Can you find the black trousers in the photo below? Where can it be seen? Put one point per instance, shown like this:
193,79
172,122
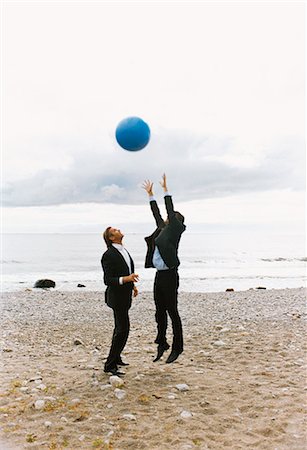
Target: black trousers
120,336
165,295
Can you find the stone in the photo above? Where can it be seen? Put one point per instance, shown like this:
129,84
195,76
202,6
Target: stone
105,386
39,404
119,393
116,381
24,389
44,283
219,343
129,417
39,378
186,414
139,377
172,396
48,424
78,342
182,387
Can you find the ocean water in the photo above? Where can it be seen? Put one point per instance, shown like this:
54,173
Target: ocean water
210,262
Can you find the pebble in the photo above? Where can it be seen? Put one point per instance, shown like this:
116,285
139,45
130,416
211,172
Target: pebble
186,414
63,419
36,378
182,387
116,381
39,404
129,417
105,386
81,438
24,389
139,376
41,386
219,343
78,342
120,394
48,424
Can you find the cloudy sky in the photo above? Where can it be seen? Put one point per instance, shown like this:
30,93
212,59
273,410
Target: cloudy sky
220,84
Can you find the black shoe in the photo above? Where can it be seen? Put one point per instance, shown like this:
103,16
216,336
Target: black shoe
114,371
173,356
122,363
161,350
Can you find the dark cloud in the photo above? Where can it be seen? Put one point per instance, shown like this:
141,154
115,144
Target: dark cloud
196,166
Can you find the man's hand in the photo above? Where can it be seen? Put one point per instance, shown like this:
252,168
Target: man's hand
133,278
163,182
147,185
135,291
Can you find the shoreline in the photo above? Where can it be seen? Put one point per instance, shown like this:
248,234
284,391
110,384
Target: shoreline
244,364
89,289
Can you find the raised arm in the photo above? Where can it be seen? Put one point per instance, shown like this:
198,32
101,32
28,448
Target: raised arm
168,199
147,185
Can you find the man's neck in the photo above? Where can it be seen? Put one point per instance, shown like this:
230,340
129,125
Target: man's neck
118,242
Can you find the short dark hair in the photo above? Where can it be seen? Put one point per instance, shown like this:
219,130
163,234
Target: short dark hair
106,237
179,216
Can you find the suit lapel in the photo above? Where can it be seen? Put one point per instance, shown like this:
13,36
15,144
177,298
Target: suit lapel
122,258
131,262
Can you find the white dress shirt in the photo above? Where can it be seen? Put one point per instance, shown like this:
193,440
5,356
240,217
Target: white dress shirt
126,257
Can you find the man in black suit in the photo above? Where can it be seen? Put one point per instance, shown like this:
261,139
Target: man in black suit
162,253
119,276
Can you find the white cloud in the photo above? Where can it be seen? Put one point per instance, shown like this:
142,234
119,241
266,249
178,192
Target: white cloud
282,210
221,85
197,167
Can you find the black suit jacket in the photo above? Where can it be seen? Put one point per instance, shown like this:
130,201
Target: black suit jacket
114,266
166,237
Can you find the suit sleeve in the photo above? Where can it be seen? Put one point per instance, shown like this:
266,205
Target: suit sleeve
169,207
108,276
156,213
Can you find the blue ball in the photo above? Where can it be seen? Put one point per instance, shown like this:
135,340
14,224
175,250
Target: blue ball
132,134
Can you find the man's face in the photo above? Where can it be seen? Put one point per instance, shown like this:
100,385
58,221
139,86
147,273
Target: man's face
115,235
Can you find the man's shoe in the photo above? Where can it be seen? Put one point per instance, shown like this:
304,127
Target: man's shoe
161,350
173,356
114,371
122,363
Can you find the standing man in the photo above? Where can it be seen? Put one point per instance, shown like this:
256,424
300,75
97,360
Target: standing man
162,253
119,276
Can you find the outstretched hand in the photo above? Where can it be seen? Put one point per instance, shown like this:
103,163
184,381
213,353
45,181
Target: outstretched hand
147,185
163,182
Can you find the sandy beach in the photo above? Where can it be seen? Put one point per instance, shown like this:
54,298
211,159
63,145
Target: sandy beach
240,383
